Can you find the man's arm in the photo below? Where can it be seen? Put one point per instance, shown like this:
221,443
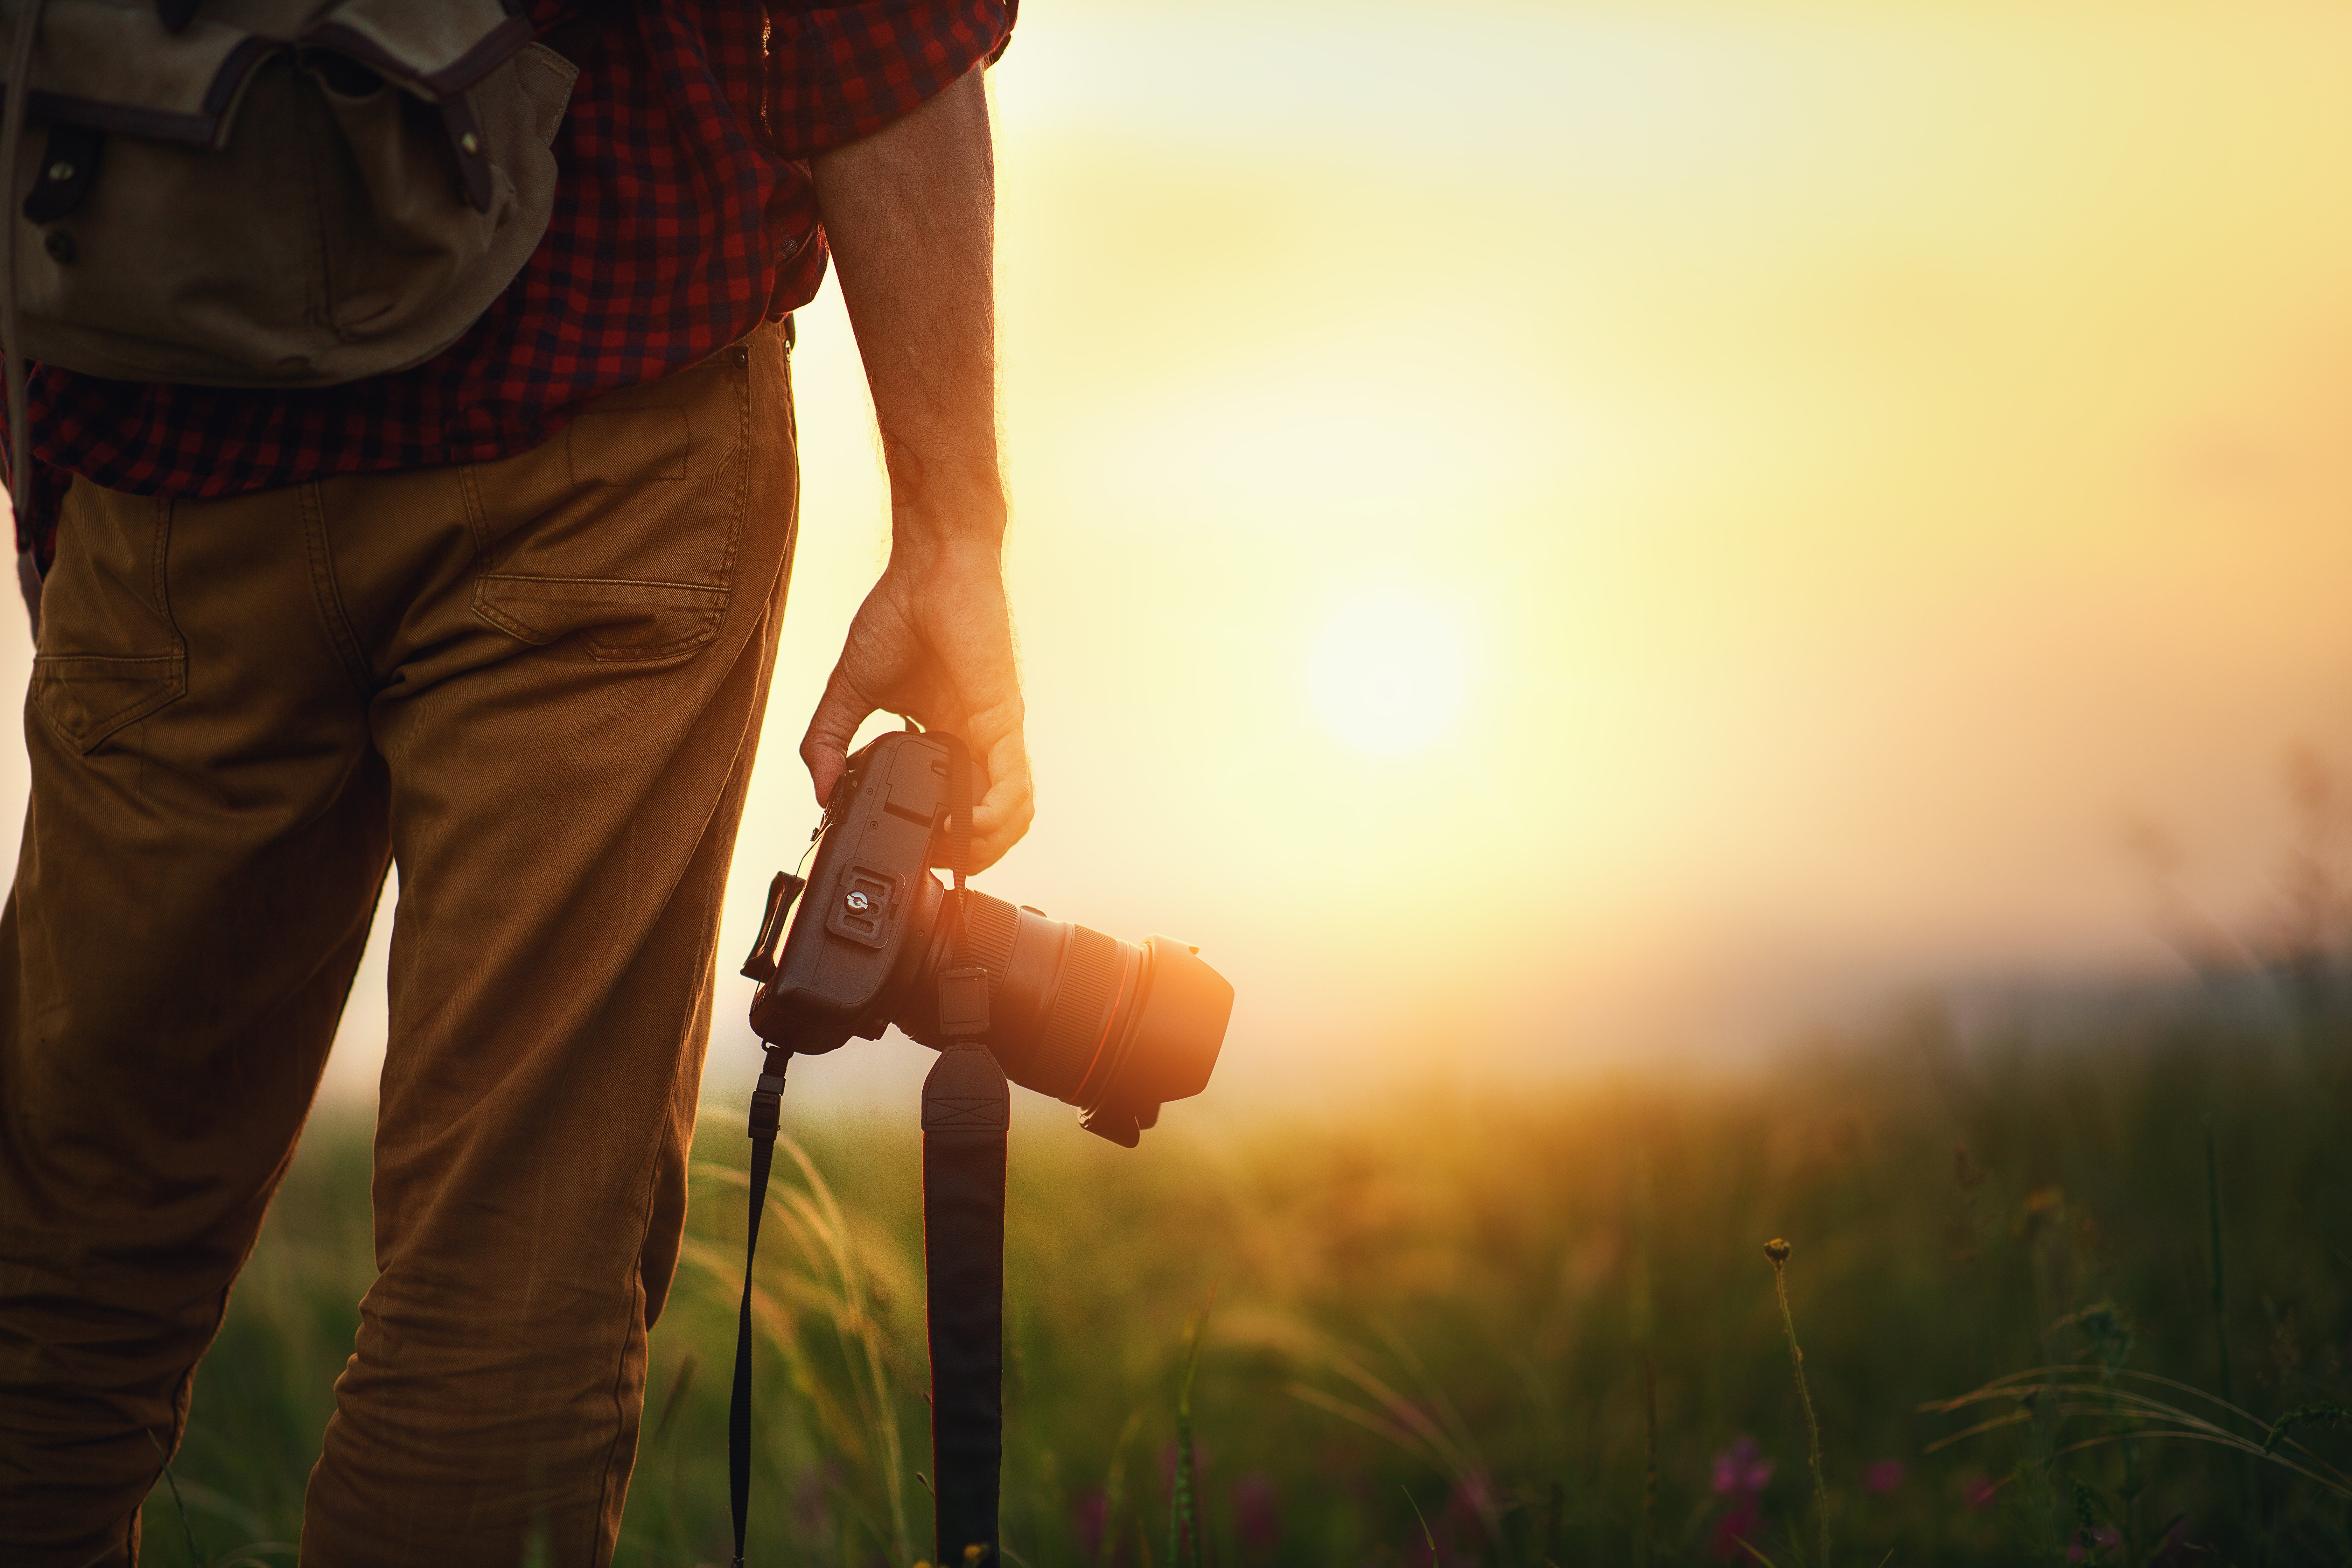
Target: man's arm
910,215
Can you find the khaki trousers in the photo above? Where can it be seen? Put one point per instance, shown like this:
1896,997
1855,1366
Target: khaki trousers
536,685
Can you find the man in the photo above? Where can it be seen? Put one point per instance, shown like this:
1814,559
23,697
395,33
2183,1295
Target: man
507,619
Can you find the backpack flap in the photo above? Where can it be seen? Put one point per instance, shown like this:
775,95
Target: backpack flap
112,68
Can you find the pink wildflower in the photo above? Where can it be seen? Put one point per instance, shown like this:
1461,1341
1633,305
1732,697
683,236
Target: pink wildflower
2102,1541
1884,1476
1741,1474
1741,1470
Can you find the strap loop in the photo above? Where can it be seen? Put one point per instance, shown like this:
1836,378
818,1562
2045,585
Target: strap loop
964,986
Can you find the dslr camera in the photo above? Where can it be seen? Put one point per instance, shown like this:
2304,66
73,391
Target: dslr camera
1113,1027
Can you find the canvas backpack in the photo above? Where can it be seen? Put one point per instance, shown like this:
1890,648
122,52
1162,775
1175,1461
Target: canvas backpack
269,193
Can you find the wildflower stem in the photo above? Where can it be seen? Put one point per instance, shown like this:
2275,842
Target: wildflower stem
1776,1251
2249,1481
1115,1490
2213,1223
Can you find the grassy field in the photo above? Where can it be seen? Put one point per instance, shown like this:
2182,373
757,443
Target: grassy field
1517,1331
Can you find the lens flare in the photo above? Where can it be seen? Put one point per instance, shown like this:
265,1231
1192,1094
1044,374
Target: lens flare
1386,674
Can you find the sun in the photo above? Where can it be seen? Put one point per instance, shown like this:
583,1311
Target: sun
1386,673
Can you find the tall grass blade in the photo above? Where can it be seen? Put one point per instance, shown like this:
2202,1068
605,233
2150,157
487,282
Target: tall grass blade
2303,1415
2103,1399
1444,1443
1640,1314
1427,1539
1369,1421
865,1428
178,1506
1115,1487
856,1322
1649,1454
256,1552
1471,1477
678,1385
1183,1515
2213,1225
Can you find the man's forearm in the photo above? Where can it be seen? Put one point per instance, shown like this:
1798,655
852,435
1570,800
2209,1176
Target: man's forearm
910,215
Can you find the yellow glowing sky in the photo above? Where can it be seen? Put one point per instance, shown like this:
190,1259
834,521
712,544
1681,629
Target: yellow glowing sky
1861,454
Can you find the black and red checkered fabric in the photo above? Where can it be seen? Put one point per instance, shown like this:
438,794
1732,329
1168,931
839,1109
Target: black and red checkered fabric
684,215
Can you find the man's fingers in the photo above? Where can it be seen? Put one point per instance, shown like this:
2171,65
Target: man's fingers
1003,816
996,830
826,747
938,648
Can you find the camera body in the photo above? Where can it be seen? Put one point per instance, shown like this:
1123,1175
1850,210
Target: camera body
1114,1028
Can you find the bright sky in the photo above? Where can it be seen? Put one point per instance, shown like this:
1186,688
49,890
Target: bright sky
1548,532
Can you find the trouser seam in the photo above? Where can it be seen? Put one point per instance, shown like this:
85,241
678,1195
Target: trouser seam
636,1304
159,562
743,401
329,594
182,1391
712,890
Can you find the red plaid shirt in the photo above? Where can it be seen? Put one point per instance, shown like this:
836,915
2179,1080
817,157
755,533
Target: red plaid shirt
685,214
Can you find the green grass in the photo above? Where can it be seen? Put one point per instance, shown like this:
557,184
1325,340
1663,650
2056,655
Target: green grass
1441,1327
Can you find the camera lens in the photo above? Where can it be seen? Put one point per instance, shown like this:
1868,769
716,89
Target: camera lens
1112,1027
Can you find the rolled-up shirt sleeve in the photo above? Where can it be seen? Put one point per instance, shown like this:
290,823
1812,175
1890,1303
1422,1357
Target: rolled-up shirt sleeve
837,73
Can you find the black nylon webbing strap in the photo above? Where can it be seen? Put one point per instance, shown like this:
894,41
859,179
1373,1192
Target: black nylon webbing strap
967,1115
767,1106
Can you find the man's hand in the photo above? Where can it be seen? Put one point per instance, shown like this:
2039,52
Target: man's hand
910,215
933,641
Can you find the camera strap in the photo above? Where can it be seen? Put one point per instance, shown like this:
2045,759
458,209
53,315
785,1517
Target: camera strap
767,1109
967,1117
967,1122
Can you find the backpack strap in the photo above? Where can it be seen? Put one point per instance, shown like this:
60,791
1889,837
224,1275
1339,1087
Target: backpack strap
12,358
